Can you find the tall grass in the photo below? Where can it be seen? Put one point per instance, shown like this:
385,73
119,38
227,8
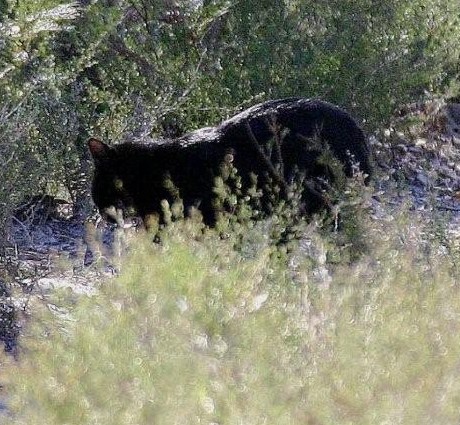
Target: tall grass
194,332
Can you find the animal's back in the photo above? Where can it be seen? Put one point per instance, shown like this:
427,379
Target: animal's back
270,139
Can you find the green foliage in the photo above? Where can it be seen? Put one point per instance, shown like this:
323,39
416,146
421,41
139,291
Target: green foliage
367,56
29,90
131,70
193,331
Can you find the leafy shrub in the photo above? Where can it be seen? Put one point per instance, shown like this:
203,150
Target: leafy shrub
151,69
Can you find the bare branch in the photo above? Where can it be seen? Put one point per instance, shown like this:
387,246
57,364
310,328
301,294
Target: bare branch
278,139
267,161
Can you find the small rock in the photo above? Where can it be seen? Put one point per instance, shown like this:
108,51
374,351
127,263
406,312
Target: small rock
422,179
258,301
420,142
401,147
417,150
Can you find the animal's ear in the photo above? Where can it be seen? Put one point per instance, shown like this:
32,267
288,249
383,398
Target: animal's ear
99,150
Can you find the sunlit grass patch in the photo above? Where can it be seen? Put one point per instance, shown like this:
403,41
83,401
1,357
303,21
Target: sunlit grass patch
194,331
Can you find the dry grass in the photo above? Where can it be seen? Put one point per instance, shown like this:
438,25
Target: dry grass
195,332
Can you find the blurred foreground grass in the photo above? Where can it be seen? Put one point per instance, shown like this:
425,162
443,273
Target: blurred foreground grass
193,332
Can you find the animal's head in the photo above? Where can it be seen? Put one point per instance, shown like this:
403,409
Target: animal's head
109,190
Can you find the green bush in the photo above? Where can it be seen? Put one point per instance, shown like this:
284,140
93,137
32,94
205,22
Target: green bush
36,144
151,68
195,332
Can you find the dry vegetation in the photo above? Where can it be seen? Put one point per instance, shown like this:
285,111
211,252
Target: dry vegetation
195,331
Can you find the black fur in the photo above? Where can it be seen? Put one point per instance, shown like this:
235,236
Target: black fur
131,177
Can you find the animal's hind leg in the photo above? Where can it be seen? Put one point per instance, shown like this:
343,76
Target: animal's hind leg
208,211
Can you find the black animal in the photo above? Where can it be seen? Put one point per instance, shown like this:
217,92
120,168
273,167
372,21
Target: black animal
274,140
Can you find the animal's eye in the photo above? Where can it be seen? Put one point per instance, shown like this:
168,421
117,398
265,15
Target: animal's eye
118,183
